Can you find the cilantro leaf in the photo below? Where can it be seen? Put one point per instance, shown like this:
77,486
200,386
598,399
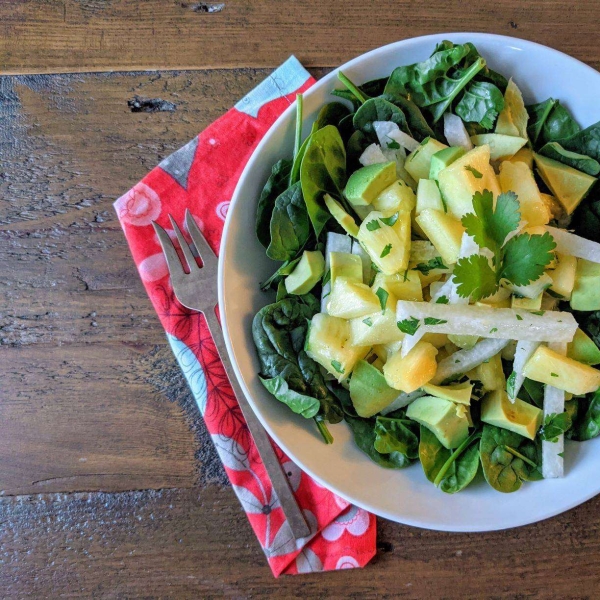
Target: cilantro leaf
337,366
526,256
390,220
434,321
383,297
373,225
368,322
474,172
475,277
442,300
393,144
489,227
386,251
511,382
409,326
433,263
554,426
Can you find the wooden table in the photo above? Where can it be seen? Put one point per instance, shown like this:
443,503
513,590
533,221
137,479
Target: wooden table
110,486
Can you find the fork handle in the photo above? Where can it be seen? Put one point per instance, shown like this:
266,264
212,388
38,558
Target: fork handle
279,480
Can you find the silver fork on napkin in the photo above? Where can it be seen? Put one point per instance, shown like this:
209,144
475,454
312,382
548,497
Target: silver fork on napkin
197,290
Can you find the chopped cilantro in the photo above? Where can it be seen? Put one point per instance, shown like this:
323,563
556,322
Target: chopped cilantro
434,263
386,251
474,171
510,384
393,144
368,322
553,374
409,326
337,366
383,297
373,225
554,426
433,321
390,220
539,313
327,277
493,330
519,318
442,300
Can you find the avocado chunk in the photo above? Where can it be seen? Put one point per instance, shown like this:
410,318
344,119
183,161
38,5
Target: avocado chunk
442,159
520,417
369,392
365,184
460,393
569,185
344,264
441,418
306,274
562,372
585,295
347,223
501,146
583,349
418,162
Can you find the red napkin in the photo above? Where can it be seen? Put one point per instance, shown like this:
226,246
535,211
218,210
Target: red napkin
201,177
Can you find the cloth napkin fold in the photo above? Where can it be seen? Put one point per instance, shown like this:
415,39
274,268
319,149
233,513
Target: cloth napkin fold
201,176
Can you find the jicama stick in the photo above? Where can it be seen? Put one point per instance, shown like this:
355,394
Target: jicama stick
465,360
554,403
402,400
388,131
455,132
574,245
487,322
523,353
372,155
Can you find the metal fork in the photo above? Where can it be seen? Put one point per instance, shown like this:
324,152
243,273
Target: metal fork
197,290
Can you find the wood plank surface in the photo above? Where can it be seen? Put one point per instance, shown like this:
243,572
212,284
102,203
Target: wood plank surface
84,35
92,405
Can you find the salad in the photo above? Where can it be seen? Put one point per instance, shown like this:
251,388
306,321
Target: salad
439,279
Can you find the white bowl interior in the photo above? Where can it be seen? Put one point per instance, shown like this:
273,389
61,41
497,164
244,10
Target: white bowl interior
405,495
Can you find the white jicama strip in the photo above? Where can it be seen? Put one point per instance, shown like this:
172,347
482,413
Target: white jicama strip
487,322
388,131
455,132
574,245
401,401
410,341
554,403
443,290
465,360
533,289
523,353
336,242
366,261
372,155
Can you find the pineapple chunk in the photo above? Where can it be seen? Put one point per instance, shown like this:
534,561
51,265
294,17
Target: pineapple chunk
490,373
556,370
387,245
418,162
377,328
413,371
523,155
350,299
396,197
444,231
563,276
403,286
328,343
527,303
428,196
518,178
469,174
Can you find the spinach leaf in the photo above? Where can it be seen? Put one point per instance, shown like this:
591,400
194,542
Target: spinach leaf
417,123
538,113
279,331
290,227
378,109
451,470
396,435
323,171
532,392
346,127
586,141
508,459
559,125
374,88
276,185
330,114
295,172
586,425
486,74
573,159
303,405
347,95
364,436
357,144
481,103
586,220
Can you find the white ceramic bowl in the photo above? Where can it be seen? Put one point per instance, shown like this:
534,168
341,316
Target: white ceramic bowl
403,495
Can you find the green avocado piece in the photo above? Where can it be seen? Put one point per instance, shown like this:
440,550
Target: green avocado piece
518,417
585,294
369,391
440,160
365,184
344,264
341,216
306,274
418,162
459,392
442,418
569,185
583,349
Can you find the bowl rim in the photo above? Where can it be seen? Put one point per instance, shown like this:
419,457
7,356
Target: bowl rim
516,43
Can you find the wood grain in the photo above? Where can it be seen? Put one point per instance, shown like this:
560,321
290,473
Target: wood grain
91,35
198,544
